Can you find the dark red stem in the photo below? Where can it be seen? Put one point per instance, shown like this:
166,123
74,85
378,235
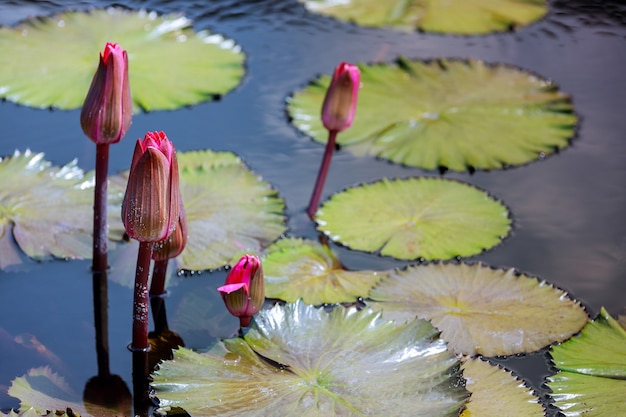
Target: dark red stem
101,322
157,291
141,299
100,262
321,175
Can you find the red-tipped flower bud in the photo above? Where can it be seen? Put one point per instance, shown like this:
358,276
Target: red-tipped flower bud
152,203
244,292
107,110
174,244
341,97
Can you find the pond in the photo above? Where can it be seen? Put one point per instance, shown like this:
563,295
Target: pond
568,209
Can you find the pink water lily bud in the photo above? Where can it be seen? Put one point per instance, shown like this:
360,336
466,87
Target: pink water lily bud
244,291
107,110
341,97
173,245
152,203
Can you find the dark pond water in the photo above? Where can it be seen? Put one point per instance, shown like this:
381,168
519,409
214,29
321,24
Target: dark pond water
569,209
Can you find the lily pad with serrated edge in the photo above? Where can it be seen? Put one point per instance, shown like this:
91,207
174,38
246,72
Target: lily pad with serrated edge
591,378
496,392
297,268
47,211
50,61
229,209
453,114
299,360
463,17
479,309
413,218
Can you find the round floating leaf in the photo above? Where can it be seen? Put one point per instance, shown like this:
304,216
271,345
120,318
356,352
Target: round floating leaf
592,370
49,61
414,218
465,17
449,114
299,360
298,268
229,209
480,309
495,392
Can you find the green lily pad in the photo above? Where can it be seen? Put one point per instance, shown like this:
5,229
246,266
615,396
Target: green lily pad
297,268
413,218
47,211
299,360
496,392
592,370
451,114
49,61
480,309
229,209
464,17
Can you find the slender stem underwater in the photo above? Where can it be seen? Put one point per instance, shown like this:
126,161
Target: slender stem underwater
100,261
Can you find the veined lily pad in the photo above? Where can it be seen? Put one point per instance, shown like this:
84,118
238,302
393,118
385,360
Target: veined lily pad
480,309
451,114
414,218
342,363
229,209
592,370
47,210
495,392
298,268
465,17
49,61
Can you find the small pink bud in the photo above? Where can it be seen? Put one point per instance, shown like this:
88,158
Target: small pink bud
244,291
341,97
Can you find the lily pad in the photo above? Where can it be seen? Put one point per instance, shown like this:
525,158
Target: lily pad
452,114
49,61
496,392
413,218
47,211
480,309
299,360
229,209
592,370
297,268
464,17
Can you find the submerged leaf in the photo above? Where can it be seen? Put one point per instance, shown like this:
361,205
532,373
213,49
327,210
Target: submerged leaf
414,218
467,17
196,67
298,268
480,309
445,113
299,360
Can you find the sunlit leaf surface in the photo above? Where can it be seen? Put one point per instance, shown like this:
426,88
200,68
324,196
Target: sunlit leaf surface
466,17
297,268
47,211
49,61
495,392
480,309
445,113
342,363
592,370
228,207
414,218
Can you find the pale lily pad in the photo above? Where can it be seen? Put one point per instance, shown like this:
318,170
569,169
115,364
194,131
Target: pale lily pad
496,392
47,211
592,370
229,209
452,114
299,360
297,268
49,61
464,17
480,309
415,218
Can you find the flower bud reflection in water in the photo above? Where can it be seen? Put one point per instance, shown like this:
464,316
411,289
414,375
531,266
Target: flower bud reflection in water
244,291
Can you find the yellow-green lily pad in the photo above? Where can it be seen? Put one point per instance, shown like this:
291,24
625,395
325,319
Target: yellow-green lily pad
447,114
465,17
413,218
50,61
